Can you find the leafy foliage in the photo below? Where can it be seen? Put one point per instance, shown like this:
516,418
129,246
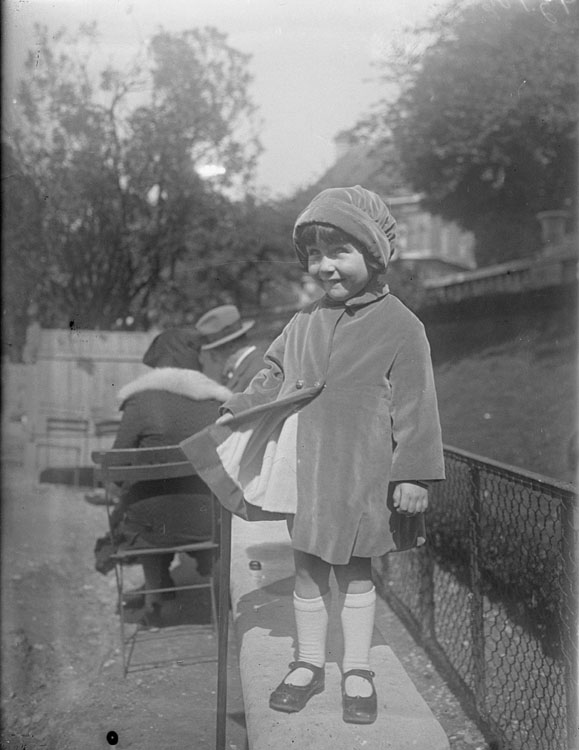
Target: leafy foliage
105,171
23,267
485,124
246,259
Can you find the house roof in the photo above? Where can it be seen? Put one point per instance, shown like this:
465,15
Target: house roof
358,165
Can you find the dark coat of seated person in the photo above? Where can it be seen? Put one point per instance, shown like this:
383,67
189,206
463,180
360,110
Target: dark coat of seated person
160,408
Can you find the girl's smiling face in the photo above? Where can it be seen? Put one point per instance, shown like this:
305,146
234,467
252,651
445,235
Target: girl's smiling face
339,268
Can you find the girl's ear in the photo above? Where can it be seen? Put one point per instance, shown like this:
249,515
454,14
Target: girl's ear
372,264
377,274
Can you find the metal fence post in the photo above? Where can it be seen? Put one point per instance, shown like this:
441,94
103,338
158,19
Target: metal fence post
426,610
476,618
223,627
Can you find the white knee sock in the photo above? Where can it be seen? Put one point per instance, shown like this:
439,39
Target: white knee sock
357,617
312,626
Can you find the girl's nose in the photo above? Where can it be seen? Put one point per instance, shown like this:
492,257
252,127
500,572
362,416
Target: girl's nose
326,265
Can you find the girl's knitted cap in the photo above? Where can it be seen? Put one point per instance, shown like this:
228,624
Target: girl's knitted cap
357,211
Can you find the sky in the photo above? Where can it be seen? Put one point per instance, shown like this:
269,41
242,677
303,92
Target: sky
313,61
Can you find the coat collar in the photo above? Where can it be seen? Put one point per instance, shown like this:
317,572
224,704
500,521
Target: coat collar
189,383
369,295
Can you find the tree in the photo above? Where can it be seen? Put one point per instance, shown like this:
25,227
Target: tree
115,160
485,123
246,259
23,268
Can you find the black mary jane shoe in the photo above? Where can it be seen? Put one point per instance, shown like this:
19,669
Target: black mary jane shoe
356,708
292,698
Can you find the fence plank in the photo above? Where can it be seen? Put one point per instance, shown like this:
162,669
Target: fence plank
78,374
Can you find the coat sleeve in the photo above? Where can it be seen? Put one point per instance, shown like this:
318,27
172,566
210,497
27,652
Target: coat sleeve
417,452
265,385
129,432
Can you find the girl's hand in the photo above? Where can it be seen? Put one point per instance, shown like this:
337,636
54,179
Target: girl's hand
410,498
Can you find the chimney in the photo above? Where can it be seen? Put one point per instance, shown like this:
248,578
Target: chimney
553,226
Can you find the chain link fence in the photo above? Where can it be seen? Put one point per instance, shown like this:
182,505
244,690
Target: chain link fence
493,598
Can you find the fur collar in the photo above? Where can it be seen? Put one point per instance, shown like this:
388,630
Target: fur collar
189,383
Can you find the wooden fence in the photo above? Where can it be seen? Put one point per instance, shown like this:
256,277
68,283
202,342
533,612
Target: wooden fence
77,374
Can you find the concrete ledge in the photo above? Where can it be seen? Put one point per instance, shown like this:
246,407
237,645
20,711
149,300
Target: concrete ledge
265,630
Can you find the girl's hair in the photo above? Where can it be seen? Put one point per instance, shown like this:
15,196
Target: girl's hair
312,234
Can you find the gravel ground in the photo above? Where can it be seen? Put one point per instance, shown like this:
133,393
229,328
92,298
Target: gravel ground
62,685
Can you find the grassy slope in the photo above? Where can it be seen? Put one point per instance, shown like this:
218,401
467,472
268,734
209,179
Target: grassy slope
516,403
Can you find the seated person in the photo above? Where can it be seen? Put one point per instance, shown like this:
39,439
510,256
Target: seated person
226,351
163,407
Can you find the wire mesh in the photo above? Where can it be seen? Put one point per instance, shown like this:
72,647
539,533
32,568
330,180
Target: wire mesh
499,575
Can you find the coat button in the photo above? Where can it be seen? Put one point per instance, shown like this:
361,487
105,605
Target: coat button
299,384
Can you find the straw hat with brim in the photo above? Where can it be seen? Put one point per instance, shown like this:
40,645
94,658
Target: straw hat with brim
220,325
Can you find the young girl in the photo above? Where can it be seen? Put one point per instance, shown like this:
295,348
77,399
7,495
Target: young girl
340,434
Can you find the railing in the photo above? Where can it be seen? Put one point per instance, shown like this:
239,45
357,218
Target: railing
505,278
493,598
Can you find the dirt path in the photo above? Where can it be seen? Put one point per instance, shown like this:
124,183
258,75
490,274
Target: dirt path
61,680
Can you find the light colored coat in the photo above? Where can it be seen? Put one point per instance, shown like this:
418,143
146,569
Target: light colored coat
358,378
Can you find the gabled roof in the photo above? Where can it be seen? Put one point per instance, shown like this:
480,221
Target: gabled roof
358,165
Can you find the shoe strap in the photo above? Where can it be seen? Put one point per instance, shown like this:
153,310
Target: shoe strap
367,674
304,665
